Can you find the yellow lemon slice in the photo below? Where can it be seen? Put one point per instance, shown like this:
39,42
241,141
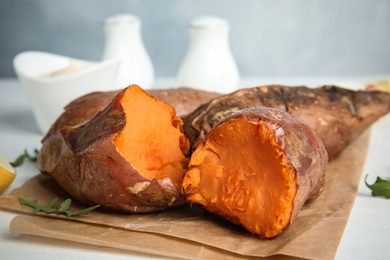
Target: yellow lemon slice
7,174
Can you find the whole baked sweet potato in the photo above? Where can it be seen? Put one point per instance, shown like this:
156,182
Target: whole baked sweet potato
336,114
185,101
130,157
257,168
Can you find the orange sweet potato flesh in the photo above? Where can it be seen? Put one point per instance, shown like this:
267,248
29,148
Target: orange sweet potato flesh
130,157
256,169
157,151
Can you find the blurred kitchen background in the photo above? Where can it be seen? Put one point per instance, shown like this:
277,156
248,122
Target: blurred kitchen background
273,38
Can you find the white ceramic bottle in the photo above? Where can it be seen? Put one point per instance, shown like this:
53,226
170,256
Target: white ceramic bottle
123,41
209,63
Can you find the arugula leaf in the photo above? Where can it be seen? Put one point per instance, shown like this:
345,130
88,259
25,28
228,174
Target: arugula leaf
62,209
21,158
65,205
81,212
381,187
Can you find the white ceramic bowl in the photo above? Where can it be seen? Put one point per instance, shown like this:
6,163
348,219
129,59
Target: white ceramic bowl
52,81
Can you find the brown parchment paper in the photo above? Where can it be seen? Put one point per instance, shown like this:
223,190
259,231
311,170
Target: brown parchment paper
189,233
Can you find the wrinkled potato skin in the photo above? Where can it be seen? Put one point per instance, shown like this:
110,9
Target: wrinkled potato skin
91,170
336,114
184,100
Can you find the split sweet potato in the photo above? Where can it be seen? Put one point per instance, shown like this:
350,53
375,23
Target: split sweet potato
130,157
336,114
185,101
257,168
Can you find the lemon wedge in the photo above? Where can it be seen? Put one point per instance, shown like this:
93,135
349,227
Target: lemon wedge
7,174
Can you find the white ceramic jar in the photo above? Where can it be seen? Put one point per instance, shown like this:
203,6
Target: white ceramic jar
123,41
209,63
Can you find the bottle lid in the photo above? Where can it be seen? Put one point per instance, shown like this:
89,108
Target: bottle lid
209,22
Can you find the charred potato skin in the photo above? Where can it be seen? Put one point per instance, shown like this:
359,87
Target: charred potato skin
91,170
336,114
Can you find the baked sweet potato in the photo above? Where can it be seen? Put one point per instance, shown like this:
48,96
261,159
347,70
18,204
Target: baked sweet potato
257,168
336,114
185,100
130,157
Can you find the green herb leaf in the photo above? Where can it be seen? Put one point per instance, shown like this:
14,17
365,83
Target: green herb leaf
62,209
81,212
21,158
19,161
381,187
65,205
37,207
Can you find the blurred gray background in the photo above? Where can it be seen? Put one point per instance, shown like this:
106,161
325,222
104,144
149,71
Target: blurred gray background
268,37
